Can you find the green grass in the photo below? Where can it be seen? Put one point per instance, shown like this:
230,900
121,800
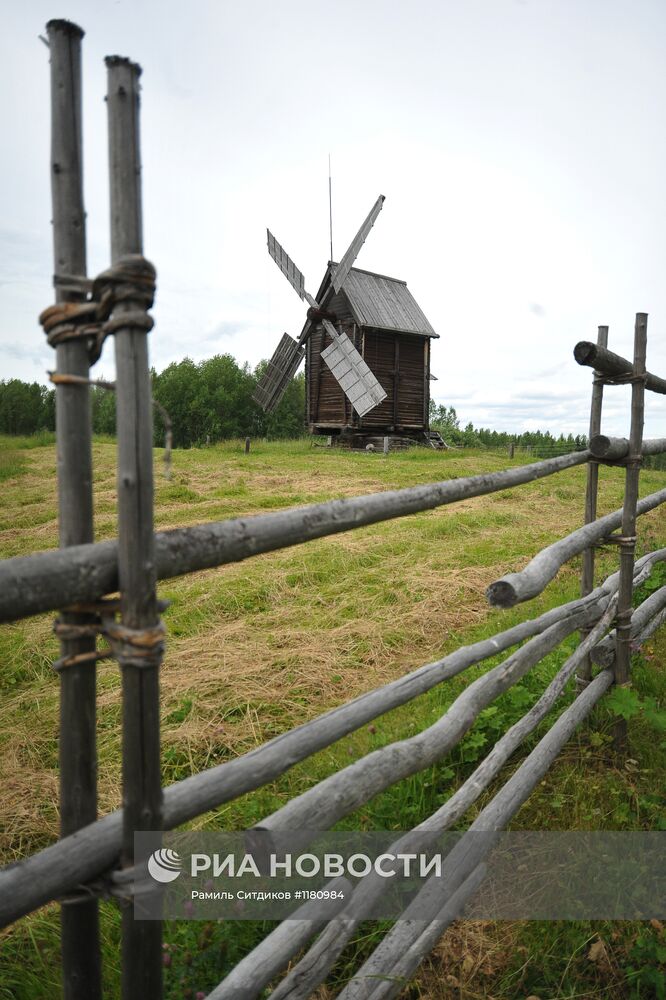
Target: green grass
13,460
258,647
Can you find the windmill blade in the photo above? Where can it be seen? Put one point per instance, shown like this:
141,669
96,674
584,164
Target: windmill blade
280,370
286,265
347,262
351,372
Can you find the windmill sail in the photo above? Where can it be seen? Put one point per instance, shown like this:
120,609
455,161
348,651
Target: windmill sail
347,262
351,372
286,265
280,370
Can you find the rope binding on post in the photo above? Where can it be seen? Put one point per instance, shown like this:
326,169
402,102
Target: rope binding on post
629,379
130,647
130,280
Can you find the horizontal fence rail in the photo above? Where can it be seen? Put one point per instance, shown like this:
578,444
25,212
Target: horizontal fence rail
613,365
514,588
50,580
615,449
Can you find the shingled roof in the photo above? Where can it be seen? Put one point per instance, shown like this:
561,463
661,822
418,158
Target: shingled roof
384,303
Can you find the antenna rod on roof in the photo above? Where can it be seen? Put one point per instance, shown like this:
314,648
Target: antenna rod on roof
330,204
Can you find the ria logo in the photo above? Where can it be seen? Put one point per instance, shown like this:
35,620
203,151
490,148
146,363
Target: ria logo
164,865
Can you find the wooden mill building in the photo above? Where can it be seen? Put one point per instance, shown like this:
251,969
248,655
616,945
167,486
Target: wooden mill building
390,331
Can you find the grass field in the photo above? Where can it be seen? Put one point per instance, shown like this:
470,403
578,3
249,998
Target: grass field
258,647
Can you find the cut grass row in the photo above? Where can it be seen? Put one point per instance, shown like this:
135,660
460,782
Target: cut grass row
258,647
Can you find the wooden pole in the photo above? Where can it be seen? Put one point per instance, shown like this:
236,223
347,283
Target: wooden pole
591,493
628,539
81,964
142,791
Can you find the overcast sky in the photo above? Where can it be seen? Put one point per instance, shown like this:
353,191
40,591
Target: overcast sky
520,145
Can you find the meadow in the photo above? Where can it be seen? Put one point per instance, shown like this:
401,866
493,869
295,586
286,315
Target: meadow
261,646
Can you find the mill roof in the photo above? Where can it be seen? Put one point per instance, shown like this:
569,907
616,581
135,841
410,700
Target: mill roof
382,302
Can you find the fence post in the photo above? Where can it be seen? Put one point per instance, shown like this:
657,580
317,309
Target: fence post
81,965
628,537
591,492
142,792
247,446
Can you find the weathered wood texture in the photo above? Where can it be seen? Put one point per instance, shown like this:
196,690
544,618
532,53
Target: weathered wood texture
379,302
281,368
58,869
398,361
517,587
613,365
80,949
142,787
627,542
615,449
592,489
521,783
47,580
358,384
341,271
644,615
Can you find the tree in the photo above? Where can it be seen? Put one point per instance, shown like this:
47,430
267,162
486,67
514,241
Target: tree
212,401
26,407
103,403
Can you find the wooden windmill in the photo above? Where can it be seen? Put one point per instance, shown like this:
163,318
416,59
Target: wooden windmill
374,342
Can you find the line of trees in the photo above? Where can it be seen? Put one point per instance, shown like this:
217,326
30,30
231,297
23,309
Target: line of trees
212,400
542,444
206,402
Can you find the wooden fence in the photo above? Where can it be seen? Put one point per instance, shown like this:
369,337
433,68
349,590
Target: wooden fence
94,856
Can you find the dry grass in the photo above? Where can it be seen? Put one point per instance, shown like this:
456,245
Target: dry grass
258,647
